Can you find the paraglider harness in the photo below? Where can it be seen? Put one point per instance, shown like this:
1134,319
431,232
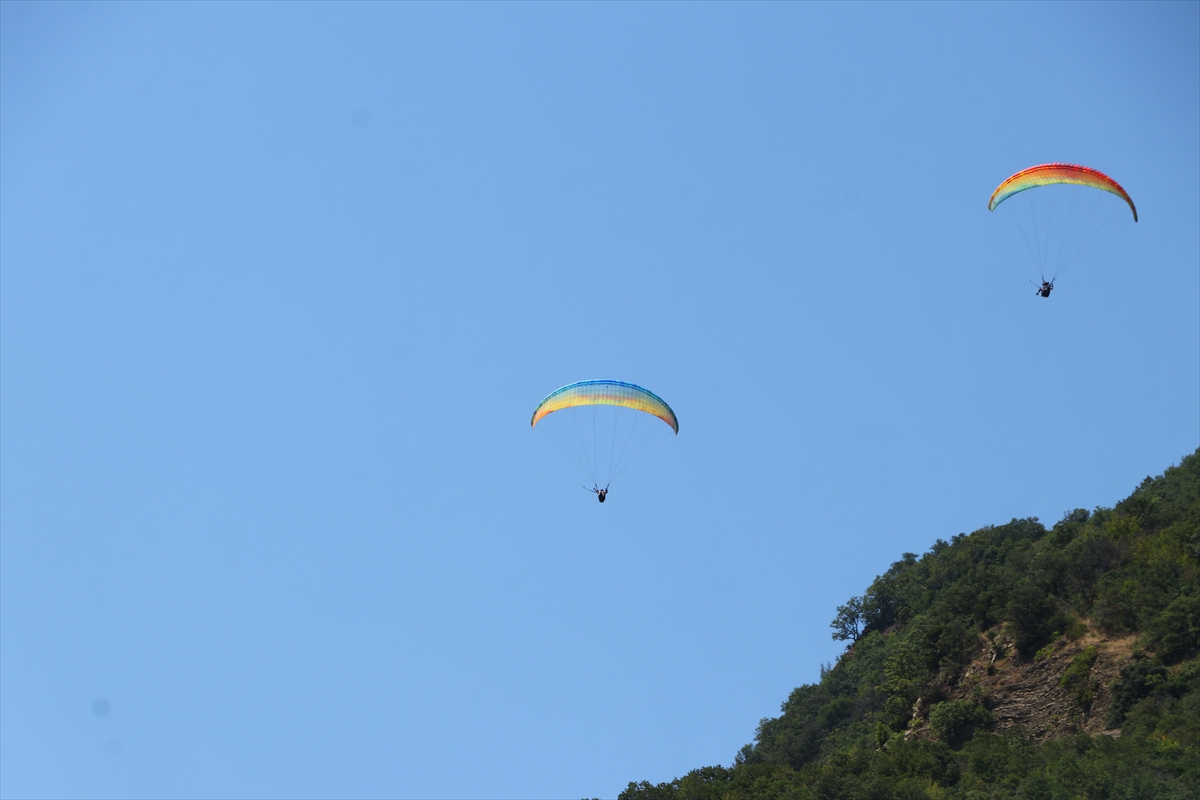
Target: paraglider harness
1046,287
600,493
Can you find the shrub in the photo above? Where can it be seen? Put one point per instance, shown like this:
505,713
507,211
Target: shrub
1137,681
1030,614
1175,633
955,721
1076,678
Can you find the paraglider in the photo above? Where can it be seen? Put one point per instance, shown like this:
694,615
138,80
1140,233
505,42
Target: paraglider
1060,227
622,396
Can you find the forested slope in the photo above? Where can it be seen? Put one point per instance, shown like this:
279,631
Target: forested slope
1012,662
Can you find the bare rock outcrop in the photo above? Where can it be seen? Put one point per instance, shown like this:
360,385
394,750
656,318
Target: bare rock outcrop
1030,693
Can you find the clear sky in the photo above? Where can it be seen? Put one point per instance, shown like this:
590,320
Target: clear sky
281,284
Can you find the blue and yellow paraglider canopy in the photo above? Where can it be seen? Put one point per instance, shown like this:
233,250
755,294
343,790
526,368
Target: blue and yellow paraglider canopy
606,393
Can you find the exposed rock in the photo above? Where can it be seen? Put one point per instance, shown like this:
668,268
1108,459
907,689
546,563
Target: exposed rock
1029,694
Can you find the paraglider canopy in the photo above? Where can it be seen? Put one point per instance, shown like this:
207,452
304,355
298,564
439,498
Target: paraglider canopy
606,393
1051,174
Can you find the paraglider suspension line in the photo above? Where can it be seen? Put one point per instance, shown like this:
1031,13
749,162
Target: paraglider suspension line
1090,234
575,452
636,450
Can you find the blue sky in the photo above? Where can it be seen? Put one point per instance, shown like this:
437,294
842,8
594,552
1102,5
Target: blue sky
280,285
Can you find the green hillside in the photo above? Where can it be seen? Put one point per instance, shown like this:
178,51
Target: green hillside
1017,661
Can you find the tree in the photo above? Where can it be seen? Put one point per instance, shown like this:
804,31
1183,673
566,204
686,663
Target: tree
849,620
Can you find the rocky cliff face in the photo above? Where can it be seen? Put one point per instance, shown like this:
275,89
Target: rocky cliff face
1033,694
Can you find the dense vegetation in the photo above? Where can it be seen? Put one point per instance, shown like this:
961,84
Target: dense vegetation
897,718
